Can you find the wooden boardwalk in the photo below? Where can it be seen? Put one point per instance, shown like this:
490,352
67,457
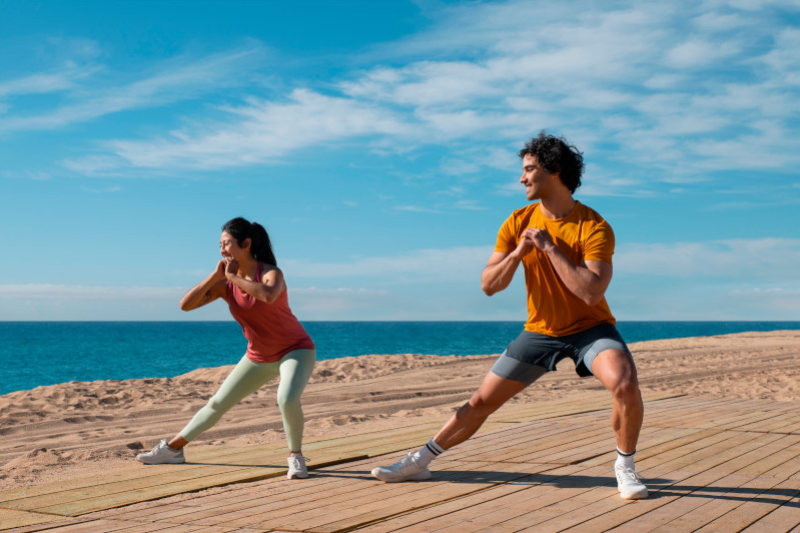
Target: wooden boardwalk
712,465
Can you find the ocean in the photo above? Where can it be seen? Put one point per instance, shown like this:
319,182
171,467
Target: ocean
46,353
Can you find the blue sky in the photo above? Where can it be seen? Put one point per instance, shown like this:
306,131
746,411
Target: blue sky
377,143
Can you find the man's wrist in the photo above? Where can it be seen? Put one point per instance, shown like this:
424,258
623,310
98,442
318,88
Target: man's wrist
550,248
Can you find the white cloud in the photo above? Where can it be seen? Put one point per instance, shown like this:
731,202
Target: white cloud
93,164
714,21
697,53
643,76
313,302
416,209
782,301
447,264
54,292
102,190
177,80
766,259
44,83
259,132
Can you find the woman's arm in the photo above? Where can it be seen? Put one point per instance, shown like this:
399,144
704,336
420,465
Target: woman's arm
265,290
206,291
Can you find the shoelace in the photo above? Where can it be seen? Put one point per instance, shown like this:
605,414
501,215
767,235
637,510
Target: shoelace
160,445
406,462
627,474
298,461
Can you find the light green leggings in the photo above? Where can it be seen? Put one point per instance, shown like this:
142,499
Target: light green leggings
295,369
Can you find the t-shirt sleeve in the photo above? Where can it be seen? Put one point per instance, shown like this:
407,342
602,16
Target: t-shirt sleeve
599,244
506,237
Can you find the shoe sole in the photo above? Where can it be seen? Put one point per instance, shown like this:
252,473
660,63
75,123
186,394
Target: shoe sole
167,462
635,495
422,476
296,476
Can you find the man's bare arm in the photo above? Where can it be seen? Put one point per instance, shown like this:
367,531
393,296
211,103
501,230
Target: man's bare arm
500,269
588,281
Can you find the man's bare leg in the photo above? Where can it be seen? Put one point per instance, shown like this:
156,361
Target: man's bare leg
493,392
616,370
490,396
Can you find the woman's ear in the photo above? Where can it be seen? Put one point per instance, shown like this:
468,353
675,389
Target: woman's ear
246,243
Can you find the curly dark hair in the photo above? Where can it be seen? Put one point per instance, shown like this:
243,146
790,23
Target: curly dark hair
555,154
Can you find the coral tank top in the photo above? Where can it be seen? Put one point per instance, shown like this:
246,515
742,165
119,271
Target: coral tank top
271,330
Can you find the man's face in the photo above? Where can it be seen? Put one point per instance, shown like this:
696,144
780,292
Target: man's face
536,179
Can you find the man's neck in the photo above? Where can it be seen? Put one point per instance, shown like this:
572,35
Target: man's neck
557,205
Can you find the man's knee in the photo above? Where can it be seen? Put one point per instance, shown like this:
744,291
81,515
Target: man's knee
627,389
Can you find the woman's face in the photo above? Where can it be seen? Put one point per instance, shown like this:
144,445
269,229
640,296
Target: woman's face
228,247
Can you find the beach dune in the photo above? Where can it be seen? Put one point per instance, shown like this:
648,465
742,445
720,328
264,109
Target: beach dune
73,429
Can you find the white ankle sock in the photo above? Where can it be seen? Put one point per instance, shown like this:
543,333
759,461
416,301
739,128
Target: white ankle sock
624,460
428,453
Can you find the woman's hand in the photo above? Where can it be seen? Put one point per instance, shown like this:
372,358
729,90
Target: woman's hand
219,273
232,267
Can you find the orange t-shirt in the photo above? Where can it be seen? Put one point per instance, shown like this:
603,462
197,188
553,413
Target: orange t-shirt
583,235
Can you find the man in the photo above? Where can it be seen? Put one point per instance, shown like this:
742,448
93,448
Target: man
565,249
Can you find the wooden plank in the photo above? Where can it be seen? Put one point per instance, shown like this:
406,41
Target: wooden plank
691,411
702,507
678,448
273,502
717,415
133,481
573,512
126,491
506,511
96,501
411,521
611,513
351,516
371,490
741,470
219,456
791,467
781,520
603,491
240,499
548,508
750,512
531,445
10,518
94,526
500,442
778,462
775,424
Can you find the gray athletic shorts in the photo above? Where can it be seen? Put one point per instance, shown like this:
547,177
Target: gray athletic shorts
531,355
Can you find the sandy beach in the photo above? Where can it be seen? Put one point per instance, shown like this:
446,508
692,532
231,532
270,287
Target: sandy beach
73,429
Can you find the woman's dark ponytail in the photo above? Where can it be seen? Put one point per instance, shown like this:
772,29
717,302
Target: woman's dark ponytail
260,246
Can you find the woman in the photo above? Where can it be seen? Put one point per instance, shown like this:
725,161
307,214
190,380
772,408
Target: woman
249,280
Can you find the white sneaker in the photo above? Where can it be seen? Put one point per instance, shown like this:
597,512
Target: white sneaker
297,467
629,484
406,469
162,455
